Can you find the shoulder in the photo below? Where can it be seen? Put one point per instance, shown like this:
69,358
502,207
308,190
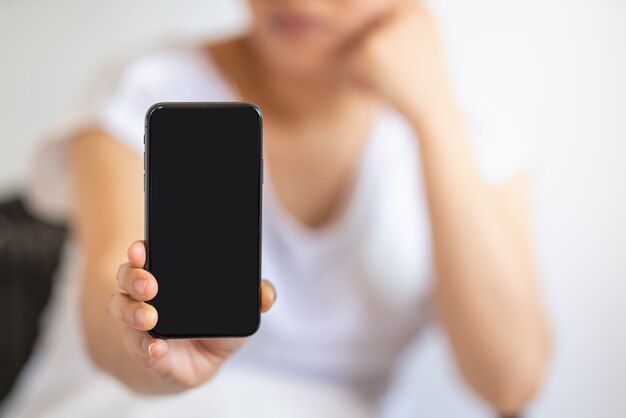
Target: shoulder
167,75
182,73
116,101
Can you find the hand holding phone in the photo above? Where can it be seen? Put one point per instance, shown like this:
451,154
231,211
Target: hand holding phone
179,363
197,274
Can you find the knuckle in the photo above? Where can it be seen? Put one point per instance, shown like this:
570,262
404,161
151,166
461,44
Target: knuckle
114,300
130,280
110,304
143,342
122,308
115,305
129,314
129,338
120,273
134,343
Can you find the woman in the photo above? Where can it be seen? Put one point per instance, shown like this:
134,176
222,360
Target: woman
374,206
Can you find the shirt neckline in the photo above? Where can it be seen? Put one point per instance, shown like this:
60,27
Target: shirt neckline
342,223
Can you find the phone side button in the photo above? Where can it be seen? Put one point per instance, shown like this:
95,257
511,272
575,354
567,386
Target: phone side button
144,182
262,170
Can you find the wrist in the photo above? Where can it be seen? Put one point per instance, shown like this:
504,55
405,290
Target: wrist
430,111
144,381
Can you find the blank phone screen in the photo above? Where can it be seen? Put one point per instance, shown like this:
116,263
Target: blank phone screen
203,217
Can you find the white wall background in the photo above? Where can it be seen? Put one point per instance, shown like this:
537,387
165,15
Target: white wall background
561,64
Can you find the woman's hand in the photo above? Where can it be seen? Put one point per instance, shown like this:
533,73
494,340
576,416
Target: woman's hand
399,57
180,364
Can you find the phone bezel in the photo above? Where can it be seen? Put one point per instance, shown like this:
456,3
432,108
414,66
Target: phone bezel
178,105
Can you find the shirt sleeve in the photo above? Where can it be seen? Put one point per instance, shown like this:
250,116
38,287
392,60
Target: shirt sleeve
116,100
121,110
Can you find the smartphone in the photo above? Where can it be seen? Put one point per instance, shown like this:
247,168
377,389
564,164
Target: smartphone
203,168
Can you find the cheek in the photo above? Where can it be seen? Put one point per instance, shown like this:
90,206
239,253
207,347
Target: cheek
259,9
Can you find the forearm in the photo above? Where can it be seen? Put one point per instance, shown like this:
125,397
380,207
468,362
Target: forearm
104,220
484,288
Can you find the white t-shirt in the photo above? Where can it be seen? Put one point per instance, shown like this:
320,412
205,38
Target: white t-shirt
352,294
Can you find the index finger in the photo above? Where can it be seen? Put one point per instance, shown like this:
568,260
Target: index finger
137,254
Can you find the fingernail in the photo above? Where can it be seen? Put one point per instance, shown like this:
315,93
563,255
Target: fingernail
271,286
144,316
150,349
140,286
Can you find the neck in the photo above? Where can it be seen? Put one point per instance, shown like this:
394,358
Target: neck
290,98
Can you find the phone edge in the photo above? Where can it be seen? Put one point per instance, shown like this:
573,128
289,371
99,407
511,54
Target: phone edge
146,267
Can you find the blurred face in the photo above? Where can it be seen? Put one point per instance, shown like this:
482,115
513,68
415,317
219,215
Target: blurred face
300,38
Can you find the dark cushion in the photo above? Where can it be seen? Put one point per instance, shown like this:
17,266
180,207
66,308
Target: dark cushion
29,254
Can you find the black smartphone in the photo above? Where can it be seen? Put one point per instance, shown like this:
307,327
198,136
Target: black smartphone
203,189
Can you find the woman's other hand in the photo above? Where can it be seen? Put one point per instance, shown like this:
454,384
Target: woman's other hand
399,57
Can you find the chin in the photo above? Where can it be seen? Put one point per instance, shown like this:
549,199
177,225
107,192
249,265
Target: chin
300,61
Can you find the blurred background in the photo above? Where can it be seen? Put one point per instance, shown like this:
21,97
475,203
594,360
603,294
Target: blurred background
559,64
